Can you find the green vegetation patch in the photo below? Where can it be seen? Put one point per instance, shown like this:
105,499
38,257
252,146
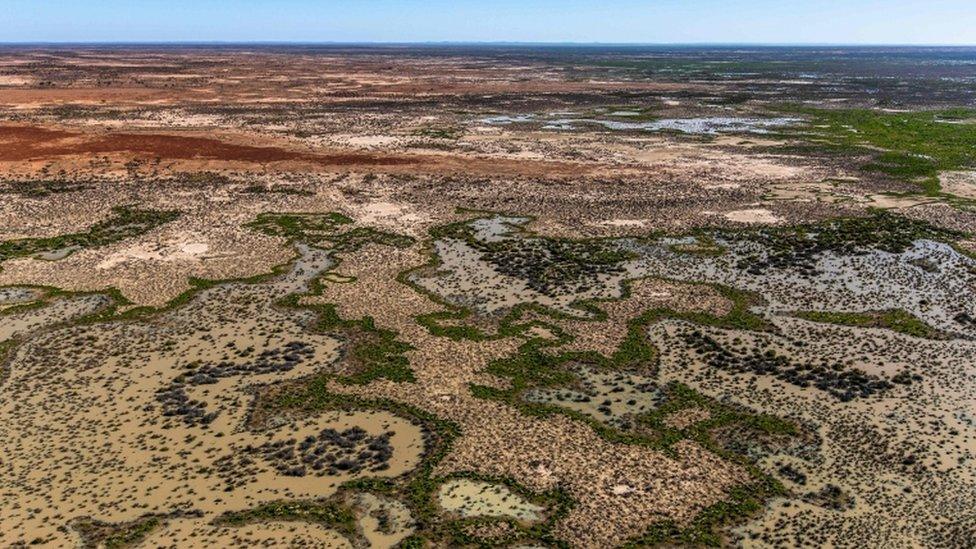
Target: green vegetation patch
328,231
680,67
315,229
126,223
549,265
742,501
328,513
798,246
917,145
574,260
706,528
369,352
534,366
739,317
95,533
893,319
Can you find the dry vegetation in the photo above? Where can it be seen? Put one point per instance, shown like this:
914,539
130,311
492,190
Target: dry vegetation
464,297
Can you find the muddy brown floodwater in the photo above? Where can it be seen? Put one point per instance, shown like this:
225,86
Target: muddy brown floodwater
121,419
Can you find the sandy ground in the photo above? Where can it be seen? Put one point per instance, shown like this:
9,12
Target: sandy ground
104,420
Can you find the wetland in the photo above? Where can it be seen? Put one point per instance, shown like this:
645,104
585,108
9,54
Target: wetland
487,296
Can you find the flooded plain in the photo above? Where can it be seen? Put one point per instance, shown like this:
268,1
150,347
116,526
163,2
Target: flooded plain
471,498
886,406
151,414
58,311
618,121
261,296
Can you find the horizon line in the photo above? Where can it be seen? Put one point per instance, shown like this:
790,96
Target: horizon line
465,43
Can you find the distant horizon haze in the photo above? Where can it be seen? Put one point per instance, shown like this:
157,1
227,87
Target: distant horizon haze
649,45
500,22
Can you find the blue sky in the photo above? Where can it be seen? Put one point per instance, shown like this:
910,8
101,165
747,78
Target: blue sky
649,21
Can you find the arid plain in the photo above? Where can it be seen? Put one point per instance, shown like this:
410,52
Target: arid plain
487,296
